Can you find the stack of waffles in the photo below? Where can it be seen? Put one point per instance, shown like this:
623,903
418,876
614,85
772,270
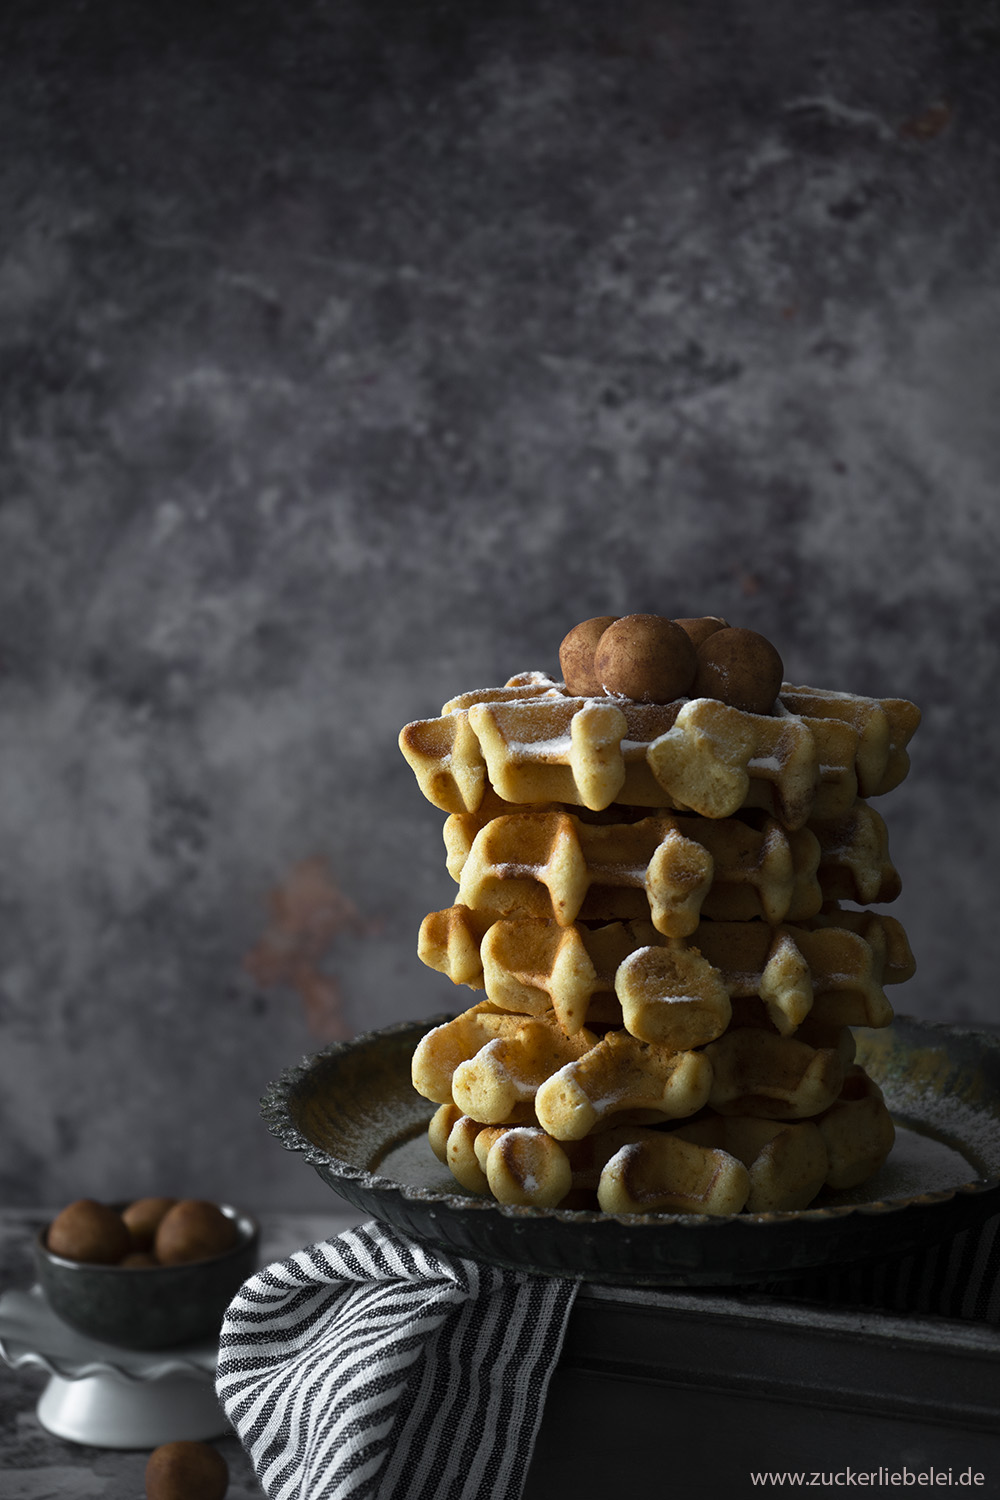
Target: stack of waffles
667,907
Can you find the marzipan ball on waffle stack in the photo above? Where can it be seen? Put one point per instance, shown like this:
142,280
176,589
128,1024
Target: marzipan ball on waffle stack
665,866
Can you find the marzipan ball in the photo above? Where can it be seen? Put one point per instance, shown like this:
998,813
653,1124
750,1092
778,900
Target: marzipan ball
193,1230
137,1259
645,657
186,1471
142,1219
89,1231
699,630
576,657
741,668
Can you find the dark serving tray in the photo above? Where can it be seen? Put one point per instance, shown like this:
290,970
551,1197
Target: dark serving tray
353,1113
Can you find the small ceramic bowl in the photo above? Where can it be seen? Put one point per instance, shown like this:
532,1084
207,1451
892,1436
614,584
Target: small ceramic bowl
148,1307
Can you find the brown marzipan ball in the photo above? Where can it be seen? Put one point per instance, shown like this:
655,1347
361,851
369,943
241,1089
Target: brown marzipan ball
89,1231
136,1259
193,1230
142,1219
741,668
645,657
576,656
699,630
186,1471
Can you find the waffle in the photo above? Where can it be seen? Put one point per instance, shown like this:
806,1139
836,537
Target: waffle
444,752
854,862
664,1173
443,1121
622,1077
857,1131
797,764
735,1162
884,728
671,870
533,1171
489,1062
756,1072
524,1165
451,942
534,744
673,997
834,967
786,1160
512,1163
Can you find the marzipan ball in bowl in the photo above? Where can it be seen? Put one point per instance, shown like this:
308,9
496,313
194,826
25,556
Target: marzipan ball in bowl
127,1301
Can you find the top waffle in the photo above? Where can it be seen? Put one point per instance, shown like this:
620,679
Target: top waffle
533,742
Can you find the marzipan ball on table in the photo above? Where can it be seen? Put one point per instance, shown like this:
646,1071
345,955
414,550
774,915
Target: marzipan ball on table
89,1231
646,657
186,1471
700,629
576,656
741,668
142,1219
193,1230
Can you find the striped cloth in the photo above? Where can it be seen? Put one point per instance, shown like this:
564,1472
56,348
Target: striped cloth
959,1278
372,1367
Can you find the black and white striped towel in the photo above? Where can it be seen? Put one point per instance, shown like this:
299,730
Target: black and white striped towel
958,1279
373,1368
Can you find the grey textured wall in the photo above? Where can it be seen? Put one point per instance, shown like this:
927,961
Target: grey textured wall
352,353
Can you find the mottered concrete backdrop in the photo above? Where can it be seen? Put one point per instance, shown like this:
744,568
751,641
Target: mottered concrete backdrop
352,353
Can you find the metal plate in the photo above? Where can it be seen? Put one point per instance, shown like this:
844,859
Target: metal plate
354,1114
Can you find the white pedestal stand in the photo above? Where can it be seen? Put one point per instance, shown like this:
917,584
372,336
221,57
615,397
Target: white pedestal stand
107,1397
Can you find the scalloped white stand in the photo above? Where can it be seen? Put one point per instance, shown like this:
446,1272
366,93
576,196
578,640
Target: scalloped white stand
105,1411
108,1397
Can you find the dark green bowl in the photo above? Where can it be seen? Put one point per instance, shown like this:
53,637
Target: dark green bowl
148,1307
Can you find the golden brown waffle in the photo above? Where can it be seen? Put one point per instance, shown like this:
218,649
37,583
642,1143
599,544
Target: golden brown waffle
444,752
489,1062
533,1169
535,744
833,967
796,765
621,1076
513,1163
755,1072
672,996
524,1165
450,941
884,728
854,862
716,1164
669,869
789,1161
831,974
857,1131
663,1173
786,1160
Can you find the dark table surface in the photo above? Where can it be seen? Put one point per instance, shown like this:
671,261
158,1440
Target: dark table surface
693,1355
